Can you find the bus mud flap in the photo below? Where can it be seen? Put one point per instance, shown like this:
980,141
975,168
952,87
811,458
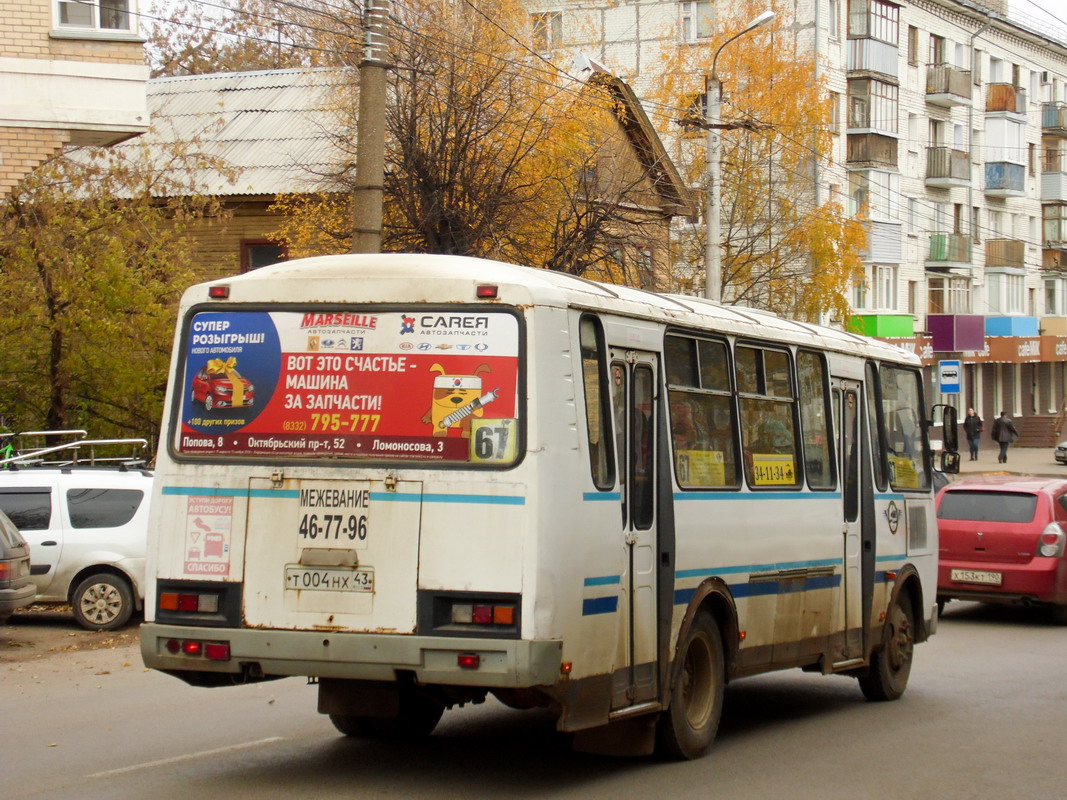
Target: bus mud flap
635,736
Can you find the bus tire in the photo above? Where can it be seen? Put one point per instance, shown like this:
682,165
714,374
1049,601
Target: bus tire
688,726
418,717
887,677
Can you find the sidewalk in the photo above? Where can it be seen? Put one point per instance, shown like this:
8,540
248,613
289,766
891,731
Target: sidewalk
1021,461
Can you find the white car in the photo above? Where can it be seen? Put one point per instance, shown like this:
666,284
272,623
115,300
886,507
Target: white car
87,529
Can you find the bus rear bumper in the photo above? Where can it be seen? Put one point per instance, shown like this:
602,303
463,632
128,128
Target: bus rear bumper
264,654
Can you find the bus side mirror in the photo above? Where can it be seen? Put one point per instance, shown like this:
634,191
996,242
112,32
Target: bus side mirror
950,463
950,440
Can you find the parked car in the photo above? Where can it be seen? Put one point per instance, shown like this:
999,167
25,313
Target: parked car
1061,452
87,529
16,588
1003,539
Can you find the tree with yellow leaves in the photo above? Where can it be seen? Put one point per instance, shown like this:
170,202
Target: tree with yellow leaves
781,250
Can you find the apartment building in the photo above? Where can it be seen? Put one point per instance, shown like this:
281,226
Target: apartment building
71,72
950,130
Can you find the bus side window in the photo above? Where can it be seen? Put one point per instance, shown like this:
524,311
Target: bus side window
768,427
702,413
814,417
597,408
902,410
874,424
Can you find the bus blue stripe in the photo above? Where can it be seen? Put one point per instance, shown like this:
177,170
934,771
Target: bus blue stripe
600,605
381,497
765,588
705,572
214,491
604,580
615,497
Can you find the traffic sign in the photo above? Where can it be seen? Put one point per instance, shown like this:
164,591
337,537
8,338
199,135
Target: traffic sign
948,373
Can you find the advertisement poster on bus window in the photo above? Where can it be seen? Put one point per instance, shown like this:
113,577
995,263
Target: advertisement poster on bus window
432,385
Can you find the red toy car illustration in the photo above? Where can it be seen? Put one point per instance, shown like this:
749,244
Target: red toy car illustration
218,384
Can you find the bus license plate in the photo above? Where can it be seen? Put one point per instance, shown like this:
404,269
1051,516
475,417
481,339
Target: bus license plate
976,576
329,579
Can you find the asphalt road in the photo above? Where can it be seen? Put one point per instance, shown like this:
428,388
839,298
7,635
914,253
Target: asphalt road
984,717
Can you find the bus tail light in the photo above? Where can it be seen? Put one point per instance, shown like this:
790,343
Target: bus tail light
1052,540
201,603
496,615
468,660
194,648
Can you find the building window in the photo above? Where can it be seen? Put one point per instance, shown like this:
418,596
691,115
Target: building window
547,30
1006,293
877,290
256,253
696,20
877,191
976,67
913,45
937,50
872,104
835,25
835,113
103,15
948,295
874,19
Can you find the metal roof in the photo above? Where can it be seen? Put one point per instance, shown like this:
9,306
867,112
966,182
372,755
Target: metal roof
273,126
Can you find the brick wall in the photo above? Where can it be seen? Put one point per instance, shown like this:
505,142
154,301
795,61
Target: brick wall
22,149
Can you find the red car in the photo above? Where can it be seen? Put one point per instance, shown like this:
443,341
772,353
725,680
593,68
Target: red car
215,389
1002,541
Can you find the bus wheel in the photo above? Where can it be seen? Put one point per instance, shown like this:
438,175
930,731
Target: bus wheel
687,728
418,717
887,677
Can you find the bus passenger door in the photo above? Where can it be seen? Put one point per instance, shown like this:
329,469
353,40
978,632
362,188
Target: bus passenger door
634,399
847,396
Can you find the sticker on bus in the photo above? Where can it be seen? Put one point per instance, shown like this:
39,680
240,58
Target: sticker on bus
772,469
439,386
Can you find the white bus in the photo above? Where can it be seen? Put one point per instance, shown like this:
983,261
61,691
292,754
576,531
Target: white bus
419,480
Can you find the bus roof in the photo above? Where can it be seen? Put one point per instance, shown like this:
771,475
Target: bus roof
443,279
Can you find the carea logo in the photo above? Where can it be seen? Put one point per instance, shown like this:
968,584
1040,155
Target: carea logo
407,324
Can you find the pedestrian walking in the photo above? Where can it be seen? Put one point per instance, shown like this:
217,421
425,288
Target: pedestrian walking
1004,433
973,427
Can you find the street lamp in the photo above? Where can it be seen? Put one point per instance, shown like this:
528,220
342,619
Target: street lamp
712,251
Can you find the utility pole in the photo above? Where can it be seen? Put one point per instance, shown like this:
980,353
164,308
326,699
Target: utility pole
713,249
370,129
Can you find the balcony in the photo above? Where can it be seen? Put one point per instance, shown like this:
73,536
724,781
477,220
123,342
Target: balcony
885,242
1004,179
1054,119
872,149
947,86
872,55
949,249
1054,233
946,167
1005,97
1005,253
1055,259
1054,177
954,333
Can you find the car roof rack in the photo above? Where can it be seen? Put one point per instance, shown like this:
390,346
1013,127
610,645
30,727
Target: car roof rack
29,449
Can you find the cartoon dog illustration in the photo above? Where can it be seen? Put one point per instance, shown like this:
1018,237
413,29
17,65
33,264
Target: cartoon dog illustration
456,398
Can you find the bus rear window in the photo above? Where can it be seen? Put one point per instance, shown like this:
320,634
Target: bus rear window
329,383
